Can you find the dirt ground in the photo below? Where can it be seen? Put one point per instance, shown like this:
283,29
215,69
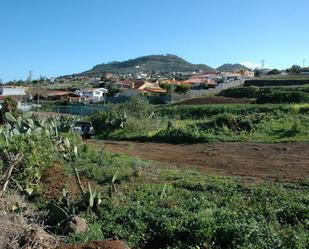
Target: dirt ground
253,161
105,244
55,180
213,100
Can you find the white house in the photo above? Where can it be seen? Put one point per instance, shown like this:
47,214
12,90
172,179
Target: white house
16,91
93,94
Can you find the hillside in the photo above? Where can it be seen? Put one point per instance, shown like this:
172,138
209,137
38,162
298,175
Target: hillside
151,63
231,67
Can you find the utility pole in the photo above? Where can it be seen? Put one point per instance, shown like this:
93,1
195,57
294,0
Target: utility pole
29,79
263,63
304,63
38,94
170,73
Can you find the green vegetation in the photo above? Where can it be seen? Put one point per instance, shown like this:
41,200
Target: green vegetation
151,63
9,105
178,124
277,82
184,209
144,203
147,204
181,89
232,67
274,72
270,94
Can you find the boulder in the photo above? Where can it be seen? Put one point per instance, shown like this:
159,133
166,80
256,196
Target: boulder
76,224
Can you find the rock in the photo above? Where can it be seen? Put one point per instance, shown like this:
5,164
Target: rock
76,224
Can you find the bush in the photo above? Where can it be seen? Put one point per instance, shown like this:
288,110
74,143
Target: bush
283,97
182,89
279,82
138,107
204,111
241,92
108,121
9,105
37,151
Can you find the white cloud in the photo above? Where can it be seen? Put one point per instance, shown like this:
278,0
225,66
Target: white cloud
251,65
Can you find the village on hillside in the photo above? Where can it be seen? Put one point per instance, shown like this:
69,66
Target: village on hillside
114,87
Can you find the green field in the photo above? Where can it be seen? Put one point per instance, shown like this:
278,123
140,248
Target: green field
207,123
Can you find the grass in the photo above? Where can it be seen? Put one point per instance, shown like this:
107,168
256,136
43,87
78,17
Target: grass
149,205
166,208
270,94
207,123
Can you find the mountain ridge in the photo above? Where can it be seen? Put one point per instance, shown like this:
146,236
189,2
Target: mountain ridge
228,67
150,63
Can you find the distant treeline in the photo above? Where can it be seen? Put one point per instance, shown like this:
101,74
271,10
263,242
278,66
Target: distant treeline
277,82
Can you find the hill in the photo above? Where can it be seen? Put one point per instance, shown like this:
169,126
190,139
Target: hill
151,63
231,67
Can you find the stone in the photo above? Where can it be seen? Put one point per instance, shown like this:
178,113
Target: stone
76,224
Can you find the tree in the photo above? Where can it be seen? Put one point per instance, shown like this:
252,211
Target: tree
9,105
257,73
295,69
167,87
112,91
274,72
182,89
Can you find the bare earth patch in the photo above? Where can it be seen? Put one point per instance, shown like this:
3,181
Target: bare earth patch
253,161
104,244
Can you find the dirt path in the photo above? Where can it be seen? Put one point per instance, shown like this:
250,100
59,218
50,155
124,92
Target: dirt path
282,161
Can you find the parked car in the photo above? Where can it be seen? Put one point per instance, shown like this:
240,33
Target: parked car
85,129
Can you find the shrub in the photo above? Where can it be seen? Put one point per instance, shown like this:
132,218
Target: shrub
241,92
37,151
283,97
108,121
182,89
279,82
138,107
9,105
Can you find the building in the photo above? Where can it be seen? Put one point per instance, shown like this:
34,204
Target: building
92,94
64,96
231,76
198,80
123,84
17,93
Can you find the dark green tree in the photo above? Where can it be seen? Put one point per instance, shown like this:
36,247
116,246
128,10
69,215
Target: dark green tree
182,89
274,72
295,69
9,105
112,91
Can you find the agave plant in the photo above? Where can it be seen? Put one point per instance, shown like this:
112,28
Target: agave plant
92,198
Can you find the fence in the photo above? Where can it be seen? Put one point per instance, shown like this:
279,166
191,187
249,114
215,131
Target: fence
83,110
151,99
200,93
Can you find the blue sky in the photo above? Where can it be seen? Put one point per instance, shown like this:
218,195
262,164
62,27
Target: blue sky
56,37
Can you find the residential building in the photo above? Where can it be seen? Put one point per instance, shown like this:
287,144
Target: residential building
17,93
93,94
197,80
